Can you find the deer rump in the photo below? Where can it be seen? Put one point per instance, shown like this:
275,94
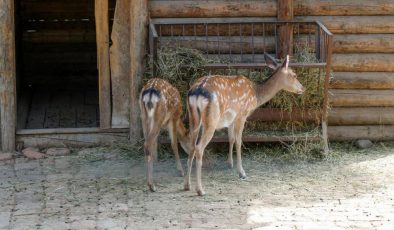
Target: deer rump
209,106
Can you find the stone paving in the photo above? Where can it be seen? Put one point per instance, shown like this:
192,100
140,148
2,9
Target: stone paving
102,190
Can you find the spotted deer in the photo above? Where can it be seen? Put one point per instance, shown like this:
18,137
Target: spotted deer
161,107
216,102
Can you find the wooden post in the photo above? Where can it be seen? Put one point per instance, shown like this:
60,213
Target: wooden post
102,39
120,65
285,36
7,76
138,45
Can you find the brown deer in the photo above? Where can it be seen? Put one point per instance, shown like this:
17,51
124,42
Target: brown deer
161,107
215,102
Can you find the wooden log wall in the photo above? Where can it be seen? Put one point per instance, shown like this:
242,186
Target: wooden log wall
7,76
362,87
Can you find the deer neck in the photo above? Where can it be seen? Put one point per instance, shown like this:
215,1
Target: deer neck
267,89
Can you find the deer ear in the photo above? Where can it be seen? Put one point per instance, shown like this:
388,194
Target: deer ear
271,63
286,63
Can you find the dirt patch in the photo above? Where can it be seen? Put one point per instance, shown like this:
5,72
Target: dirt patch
102,188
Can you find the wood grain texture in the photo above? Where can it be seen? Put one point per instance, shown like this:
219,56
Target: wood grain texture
364,80
362,62
363,43
343,7
285,36
361,98
138,38
371,132
361,116
205,8
120,65
355,24
7,76
102,30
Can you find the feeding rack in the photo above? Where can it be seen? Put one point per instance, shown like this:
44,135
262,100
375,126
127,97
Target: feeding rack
239,44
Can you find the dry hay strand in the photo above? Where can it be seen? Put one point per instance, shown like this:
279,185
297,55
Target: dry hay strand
182,66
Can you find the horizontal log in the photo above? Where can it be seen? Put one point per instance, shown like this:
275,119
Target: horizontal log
268,114
223,44
221,8
363,62
214,29
361,98
365,43
343,7
355,24
363,80
361,116
371,132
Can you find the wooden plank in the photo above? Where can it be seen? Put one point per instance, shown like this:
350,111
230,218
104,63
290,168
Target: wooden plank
225,44
102,30
355,24
7,76
269,114
371,132
344,7
363,62
364,43
285,33
138,38
361,98
40,102
361,116
363,80
205,8
120,65
24,102
73,139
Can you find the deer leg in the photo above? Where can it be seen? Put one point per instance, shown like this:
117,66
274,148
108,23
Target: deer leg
172,130
238,129
206,137
150,149
189,170
231,140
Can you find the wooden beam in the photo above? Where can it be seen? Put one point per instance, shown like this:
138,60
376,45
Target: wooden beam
120,65
361,116
220,8
361,98
285,38
371,132
355,24
102,37
364,43
344,7
363,80
7,76
138,46
361,62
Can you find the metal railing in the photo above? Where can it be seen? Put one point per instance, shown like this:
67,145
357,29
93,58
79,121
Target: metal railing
240,43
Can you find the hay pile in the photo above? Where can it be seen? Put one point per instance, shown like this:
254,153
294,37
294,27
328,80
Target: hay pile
182,66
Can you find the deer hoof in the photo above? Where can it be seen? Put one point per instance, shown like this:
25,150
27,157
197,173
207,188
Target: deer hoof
200,192
230,165
242,176
181,173
187,187
152,188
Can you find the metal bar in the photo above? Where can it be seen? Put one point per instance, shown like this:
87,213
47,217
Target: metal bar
260,65
243,20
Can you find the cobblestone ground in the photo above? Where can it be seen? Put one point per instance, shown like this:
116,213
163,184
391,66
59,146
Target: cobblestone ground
101,190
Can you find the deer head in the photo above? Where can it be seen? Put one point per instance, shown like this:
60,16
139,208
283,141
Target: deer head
285,76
